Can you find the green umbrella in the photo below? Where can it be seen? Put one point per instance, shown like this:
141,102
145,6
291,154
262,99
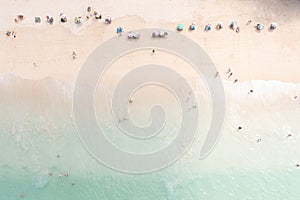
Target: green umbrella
180,27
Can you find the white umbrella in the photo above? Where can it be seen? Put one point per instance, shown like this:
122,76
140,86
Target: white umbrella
78,20
63,18
260,27
273,26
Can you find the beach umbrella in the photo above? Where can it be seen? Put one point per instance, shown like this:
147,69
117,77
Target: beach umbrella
107,20
219,25
232,25
50,19
78,20
192,27
37,19
273,26
119,29
19,18
136,35
133,35
180,27
163,33
155,34
63,18
98,16
130,35
260,27
207,27
8,33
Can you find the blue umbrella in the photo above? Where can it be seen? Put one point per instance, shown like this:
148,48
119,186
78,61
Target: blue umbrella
208,27
260,27
119,29
192,27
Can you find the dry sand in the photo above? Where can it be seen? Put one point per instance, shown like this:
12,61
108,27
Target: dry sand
250,54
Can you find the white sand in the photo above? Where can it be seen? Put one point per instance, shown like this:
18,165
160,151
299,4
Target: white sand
251,55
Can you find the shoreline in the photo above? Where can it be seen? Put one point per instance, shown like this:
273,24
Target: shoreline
47,155
269,114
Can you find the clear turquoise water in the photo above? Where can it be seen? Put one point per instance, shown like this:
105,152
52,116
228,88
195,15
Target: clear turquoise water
34,130
231,185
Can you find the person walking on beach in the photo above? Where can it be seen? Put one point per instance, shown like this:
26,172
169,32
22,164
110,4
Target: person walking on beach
74,55
228,71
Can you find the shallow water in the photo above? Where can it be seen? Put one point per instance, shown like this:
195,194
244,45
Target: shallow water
36,126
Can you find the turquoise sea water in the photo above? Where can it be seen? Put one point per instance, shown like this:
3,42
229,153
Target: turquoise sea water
37,140
233,185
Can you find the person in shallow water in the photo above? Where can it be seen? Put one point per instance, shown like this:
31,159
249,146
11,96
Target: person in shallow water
130,100
217,74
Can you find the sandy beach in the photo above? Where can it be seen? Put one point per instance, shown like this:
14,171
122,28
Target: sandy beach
252,55
257,156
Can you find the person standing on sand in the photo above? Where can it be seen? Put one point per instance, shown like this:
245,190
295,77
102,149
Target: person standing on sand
228,71
74,55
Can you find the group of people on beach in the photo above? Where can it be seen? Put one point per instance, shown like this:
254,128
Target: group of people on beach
233,26
90,13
